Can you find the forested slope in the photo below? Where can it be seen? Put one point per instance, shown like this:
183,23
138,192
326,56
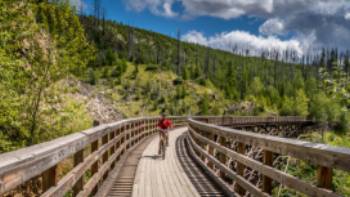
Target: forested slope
40,44
317,87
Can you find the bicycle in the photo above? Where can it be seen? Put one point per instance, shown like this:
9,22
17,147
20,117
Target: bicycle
162,145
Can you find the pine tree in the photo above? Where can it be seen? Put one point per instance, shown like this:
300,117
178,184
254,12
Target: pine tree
347,63
206,63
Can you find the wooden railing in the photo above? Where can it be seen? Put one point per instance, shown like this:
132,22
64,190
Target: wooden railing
93,154
217,148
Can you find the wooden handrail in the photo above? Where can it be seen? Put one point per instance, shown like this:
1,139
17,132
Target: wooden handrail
324,156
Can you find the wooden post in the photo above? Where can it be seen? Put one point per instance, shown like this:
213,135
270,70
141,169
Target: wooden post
209,150
78,158
127,138
105,155
324,177
49,178
94,167
222,157
139,131
112,149
111,137
144,129
240,168
267,182
133,132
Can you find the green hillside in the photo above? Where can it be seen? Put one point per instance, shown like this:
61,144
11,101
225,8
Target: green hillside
40,44
318,90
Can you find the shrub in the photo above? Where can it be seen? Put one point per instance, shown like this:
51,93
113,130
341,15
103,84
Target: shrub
344,123
177,81
151,67
91,77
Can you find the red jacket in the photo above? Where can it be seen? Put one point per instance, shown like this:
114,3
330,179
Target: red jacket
164,123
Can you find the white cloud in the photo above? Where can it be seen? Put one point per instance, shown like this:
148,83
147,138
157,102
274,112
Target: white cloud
226,9
272,26
347,16
244,40
157,7
195,37
168,10
328,21
77,4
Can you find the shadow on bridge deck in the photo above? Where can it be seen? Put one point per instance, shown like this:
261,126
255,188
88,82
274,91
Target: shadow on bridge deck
201,181
157,177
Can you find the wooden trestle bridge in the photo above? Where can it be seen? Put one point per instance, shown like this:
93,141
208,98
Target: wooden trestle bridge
207,156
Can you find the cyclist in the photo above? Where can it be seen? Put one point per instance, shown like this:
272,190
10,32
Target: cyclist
164,124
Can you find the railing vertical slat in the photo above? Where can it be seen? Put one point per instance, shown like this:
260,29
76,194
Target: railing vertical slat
324,177
112,149
240,167
78,158
49,178
267,181
210,150
94,167
222,157
105,155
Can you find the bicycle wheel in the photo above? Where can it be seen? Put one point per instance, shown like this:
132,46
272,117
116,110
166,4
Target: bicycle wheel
163,149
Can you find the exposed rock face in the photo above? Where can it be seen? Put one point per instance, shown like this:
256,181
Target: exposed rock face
245,107
99,107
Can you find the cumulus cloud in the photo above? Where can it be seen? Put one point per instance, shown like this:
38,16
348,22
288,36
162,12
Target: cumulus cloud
168,10
157,7
226,9
272,26
195,37
77,4
244,40
347,16
328,21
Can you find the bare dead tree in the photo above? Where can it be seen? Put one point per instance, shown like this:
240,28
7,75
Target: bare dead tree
97,10
130,43
178,53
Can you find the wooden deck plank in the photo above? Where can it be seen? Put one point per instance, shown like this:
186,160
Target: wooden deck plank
156,177
164,179
183,182
177,177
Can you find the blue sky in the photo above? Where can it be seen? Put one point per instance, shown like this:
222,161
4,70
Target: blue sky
209,26
302,25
